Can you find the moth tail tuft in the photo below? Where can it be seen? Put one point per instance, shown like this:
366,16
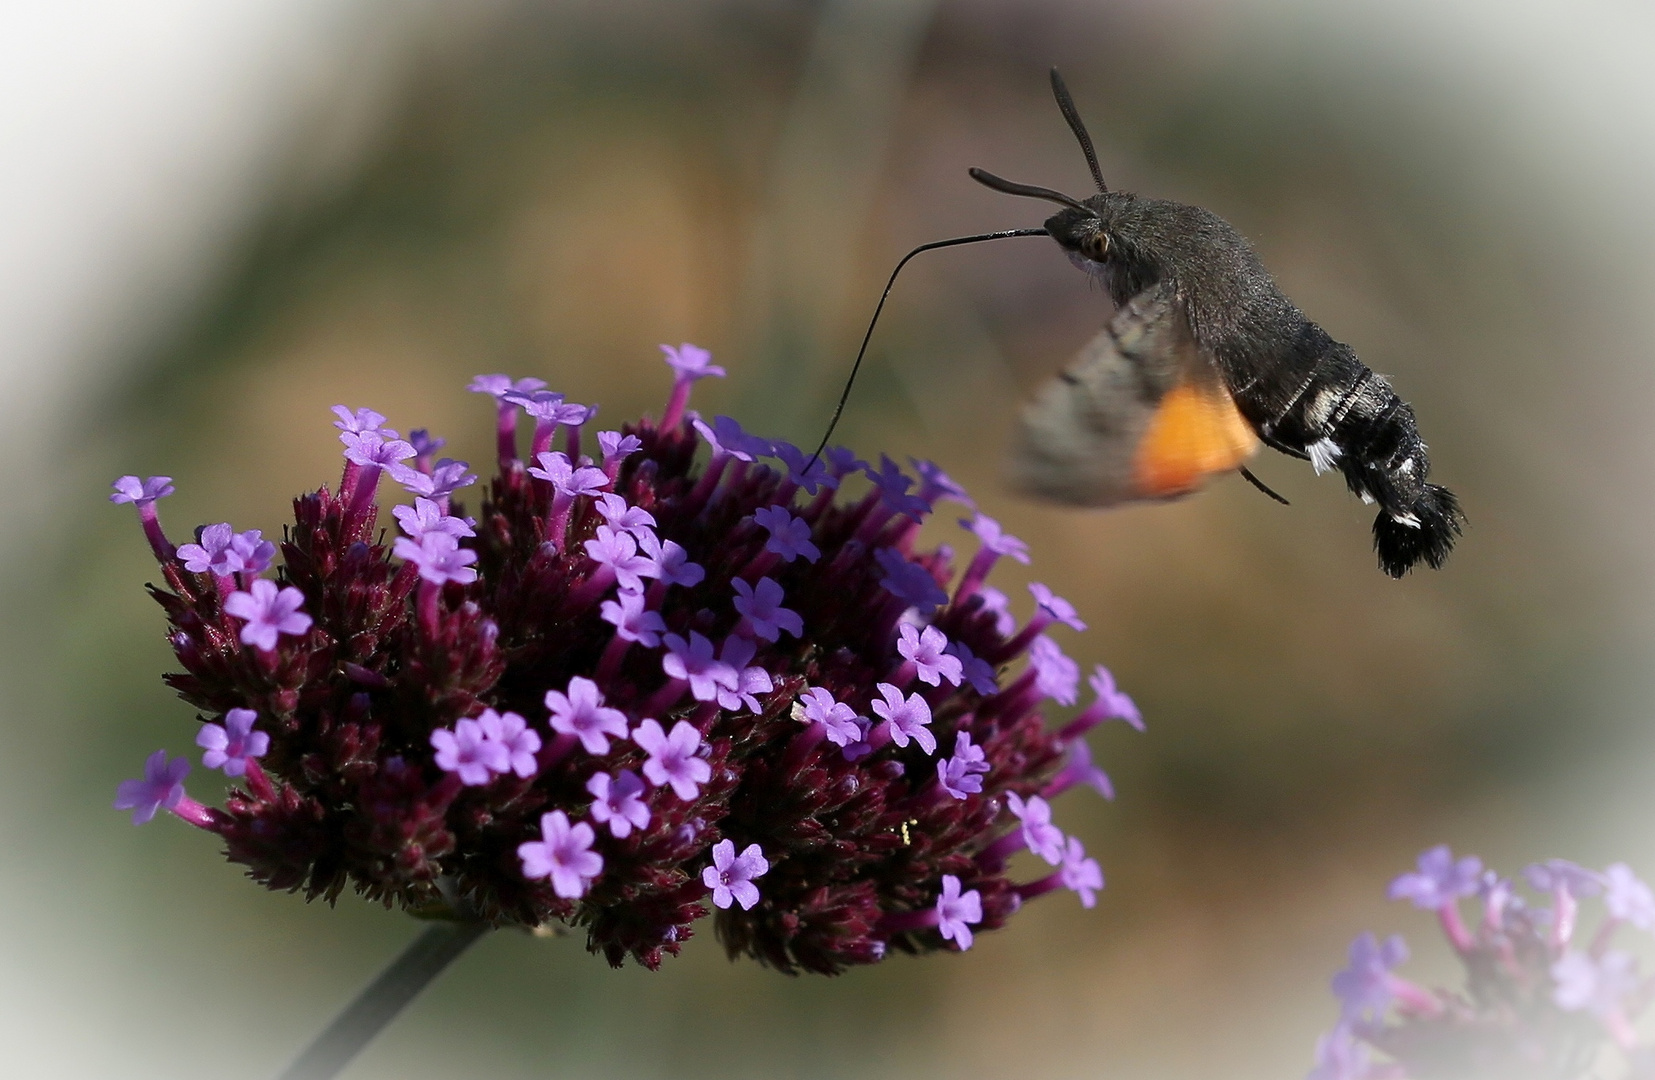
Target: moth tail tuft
1426,533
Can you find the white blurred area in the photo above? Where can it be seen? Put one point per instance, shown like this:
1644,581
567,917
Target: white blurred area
138,138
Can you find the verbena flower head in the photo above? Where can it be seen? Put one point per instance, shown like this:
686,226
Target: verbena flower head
1541,1001
691,676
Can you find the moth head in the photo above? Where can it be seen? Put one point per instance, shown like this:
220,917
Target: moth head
1080,226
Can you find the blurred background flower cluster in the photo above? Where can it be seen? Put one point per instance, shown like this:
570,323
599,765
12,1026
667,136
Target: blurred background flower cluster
216,221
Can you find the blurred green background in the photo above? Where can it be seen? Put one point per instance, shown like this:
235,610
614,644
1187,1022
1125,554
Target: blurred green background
407,194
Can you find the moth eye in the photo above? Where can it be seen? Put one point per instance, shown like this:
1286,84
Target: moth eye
1097,246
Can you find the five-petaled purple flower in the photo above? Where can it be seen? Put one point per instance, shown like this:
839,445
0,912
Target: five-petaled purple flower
268,612
231,745
471,751
962,775
1081,874
162,787
426,517
1055,606
438,556
1627,898
957,912
761,605
838,720
622,517
693,662
996,539
632,620
789,535
1364,987
672,758
1440,880
927,651
617,802
564,854
691,362
129,489
1042,837
1055,675
669,562
521,742
619,552
905,718
582,713
730,877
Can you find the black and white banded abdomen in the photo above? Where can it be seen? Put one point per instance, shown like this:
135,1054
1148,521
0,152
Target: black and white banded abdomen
1345,417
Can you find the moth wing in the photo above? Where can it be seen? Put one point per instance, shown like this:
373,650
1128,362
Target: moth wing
1141,413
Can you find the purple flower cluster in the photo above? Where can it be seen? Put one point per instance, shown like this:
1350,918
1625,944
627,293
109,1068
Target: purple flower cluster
634,685
1541,1001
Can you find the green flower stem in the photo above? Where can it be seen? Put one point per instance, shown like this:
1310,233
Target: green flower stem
378,1004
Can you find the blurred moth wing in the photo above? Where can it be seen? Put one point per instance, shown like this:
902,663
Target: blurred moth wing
1141,413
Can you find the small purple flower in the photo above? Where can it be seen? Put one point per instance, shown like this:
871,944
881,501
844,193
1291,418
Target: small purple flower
469,752
215,553
521,742
564,854
372,449
1554,874
438,556
129,489
253,550
619,552
567,479
996,539
1341,1056
936,485
617,803
974,669
962,775
809,473
426,517
749,680
956,912
789,536
726,436
1364,987
1115,704
1055,606
893,485
1080,770
692,661
761,605
1042,837
730,877
691,362
425,444
1081,874
838,720
623,518
995,601
909,581
927,650
1055,675
162,787
632,621
1439,881
361,420
1594,984
268,612
1627,898
669,562
905,719
672,758
447,476
545,407
581,712
498,386
617,447
232,745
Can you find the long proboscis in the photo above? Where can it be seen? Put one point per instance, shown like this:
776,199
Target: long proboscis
839,409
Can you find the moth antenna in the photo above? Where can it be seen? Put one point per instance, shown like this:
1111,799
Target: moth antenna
1066,105
1011,187
839,409
1262,486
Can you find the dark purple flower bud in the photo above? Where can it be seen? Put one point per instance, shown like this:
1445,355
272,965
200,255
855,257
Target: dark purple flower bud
233,744
268,612
730,877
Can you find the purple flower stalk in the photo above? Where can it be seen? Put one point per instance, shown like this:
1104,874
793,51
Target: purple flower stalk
1536,1006
627,697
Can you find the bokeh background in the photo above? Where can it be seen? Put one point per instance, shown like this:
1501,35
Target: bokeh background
218,220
